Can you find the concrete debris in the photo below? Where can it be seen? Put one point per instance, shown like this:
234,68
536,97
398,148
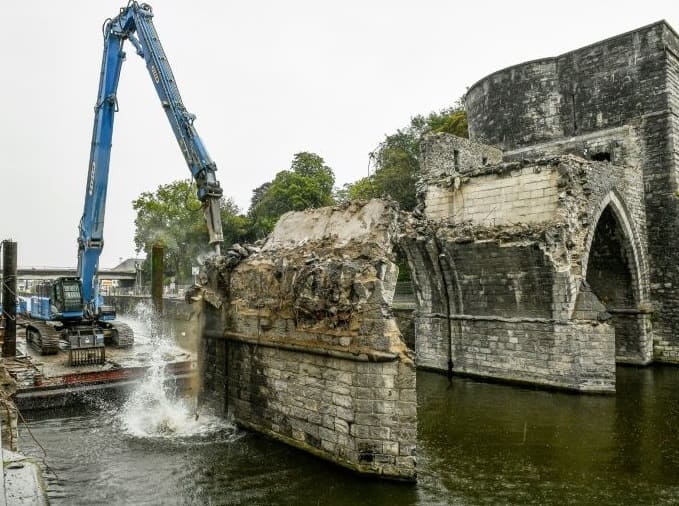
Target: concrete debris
337,227
216,272
321,269
322,266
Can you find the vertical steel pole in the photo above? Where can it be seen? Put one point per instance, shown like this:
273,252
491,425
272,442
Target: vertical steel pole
9,297
157,255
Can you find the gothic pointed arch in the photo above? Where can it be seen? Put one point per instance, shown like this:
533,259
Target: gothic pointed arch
613,267
613,203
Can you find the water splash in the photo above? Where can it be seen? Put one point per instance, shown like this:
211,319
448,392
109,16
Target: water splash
157,408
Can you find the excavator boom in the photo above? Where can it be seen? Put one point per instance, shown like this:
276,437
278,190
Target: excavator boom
135,23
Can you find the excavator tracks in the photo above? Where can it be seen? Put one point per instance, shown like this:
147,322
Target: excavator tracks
43,337
123,336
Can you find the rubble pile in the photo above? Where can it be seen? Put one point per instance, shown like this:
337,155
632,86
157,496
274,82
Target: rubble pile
323,275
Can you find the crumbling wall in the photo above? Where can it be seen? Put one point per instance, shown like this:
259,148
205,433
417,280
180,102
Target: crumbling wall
497,297
592,102
304,346
441,153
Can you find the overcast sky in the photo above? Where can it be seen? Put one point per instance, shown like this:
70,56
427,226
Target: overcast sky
266,79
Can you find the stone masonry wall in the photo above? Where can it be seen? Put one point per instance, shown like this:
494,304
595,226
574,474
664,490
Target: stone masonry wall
603,85
300,342
582,102
662,186
516,106
526,195
622,144
576,355
351,410
499,299
501,280
442,153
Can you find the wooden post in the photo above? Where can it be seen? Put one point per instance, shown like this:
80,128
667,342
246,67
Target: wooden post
9,297
157,255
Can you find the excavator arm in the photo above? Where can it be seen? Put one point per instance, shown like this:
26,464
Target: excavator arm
135,23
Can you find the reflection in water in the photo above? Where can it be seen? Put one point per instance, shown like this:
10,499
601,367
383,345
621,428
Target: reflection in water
479,443
491,443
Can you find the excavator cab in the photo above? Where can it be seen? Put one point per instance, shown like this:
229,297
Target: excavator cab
59,299
48,301
67,297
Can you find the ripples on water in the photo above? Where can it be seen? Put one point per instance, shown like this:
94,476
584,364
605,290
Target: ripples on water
478,443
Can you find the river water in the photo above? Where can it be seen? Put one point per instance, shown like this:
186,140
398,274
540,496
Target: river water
478,443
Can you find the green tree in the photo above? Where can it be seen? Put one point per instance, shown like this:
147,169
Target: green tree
258,193
363,189
173,217
307,184
397,158
397,163
451,121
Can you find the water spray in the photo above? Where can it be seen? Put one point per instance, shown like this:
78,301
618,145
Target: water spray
157,408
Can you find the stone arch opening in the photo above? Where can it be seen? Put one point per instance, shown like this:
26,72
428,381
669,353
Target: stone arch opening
612,273
608,270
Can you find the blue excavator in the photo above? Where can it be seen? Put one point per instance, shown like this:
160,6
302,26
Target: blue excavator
69,309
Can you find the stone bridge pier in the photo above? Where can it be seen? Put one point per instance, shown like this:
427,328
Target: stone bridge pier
529,270
300,342
544,249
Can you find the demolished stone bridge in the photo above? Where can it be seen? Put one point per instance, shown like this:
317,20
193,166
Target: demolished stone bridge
531,270
543,250
300,342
